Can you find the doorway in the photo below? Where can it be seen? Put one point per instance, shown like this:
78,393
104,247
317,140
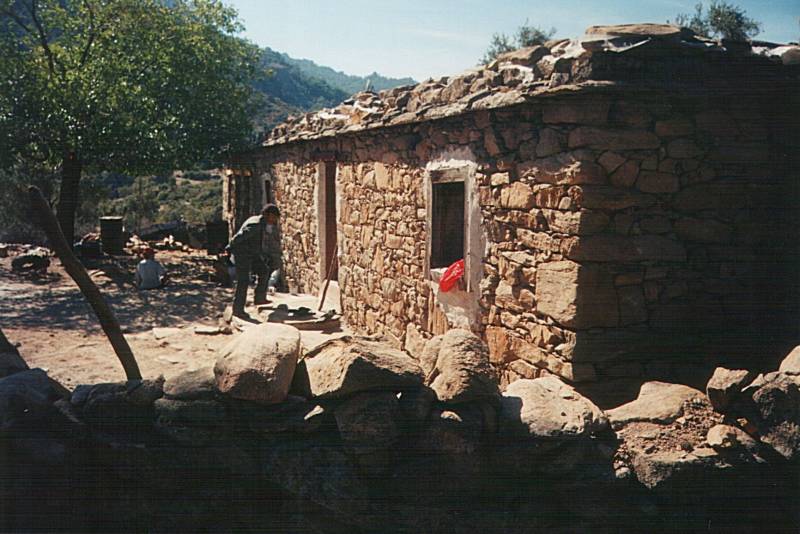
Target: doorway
328,237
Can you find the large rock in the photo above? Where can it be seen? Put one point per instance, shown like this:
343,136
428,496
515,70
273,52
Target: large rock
548,408
10,360
349,365
725,385
456,431
121,406
430,353
194,423
462,371
727,439
638,30
191,385
791,364
190,413
653,470
25,396
368,421
259,364
658,402
778,406
293,416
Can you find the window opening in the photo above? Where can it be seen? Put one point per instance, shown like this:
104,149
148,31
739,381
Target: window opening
447,224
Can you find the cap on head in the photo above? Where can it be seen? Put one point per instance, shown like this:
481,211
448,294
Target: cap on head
271,209
148,252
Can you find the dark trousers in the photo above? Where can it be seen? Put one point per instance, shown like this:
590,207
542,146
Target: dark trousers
244,266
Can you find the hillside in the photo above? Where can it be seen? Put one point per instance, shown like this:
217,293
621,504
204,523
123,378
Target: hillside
300,85
348,83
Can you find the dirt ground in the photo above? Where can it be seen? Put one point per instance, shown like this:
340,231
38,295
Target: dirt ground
57,330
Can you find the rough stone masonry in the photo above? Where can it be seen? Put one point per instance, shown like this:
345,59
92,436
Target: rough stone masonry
630,205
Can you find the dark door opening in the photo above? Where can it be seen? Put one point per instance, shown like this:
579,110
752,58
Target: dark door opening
331,262
447,224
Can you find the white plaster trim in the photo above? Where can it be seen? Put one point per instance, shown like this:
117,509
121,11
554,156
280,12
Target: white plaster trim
460,306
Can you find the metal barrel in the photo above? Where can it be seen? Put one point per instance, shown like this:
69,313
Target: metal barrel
111,235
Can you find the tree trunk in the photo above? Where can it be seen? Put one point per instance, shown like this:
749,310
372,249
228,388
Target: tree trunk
69,195
108,321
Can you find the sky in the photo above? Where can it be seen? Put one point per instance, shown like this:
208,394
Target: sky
431,38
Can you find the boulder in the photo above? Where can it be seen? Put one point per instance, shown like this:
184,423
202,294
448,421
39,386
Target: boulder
639,30
119,405
416,404
295,415
777,402
462,371
791,364
259,364
368,421
345,366
653,470
10,360
191,385
548,408
725,385
658,402
726,438
452,431
429,355
203,413
25,396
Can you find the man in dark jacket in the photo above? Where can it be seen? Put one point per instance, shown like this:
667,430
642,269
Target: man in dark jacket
256,248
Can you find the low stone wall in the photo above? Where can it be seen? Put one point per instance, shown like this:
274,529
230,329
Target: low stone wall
368,440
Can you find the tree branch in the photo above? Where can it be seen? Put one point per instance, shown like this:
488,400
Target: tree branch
43,39
92,33
108,320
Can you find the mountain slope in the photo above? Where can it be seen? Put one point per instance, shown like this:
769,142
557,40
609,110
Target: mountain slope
296,86
346,82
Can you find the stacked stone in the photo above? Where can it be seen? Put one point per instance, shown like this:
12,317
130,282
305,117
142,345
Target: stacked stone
293,186
623,225
633,217
383,225
629,52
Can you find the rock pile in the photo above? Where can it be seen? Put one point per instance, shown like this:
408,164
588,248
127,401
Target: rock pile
671,431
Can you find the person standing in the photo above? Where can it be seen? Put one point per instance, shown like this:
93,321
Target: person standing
256,248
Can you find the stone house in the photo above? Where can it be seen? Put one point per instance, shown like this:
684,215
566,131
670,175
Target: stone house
625,203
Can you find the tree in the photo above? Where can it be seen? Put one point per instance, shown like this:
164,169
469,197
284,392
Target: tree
526,35
722,20
137,86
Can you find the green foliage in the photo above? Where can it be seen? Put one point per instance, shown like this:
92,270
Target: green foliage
131,85
16,224
146,200
526,35
721,20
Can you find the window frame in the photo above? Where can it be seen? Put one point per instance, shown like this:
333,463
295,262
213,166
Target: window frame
460,173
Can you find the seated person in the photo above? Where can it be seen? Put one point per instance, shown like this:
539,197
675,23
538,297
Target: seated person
149,273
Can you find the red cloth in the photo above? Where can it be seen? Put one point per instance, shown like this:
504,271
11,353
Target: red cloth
451,275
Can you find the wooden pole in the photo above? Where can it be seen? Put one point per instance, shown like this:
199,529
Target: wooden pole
328,278
75,269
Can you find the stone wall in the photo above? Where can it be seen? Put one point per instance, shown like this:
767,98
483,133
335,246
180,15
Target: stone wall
293,187
622,227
